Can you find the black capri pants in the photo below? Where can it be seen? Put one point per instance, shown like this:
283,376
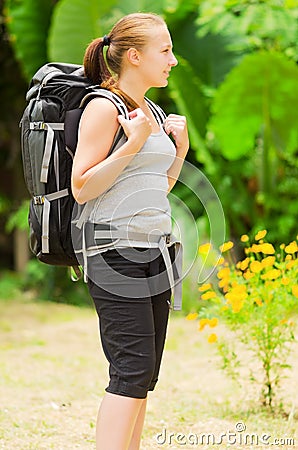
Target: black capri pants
131,294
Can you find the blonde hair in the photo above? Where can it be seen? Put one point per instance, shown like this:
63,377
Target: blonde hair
132,30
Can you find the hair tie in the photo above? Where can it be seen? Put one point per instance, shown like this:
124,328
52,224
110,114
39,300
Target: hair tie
106,41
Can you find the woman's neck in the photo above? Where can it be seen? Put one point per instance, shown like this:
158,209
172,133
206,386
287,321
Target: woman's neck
133,89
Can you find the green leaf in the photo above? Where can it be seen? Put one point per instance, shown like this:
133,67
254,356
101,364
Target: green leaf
253,25
178,10
18,219
186,91
210,56
262,92
132,6
28,22
75,24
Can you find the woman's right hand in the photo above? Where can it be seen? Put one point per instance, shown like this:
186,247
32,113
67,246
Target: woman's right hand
138,128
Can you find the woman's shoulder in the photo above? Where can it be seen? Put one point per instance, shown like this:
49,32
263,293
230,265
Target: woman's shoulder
99,115
101,106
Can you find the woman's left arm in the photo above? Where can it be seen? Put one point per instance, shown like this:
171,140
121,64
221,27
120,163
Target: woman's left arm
177,127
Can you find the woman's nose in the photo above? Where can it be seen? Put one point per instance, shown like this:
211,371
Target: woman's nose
173,60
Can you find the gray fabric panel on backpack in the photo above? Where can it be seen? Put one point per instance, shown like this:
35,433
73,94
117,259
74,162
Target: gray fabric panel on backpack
31,150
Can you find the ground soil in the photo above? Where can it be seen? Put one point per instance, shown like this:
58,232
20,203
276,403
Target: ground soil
53,376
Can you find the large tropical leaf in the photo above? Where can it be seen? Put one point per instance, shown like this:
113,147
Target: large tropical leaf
132,6
75,23
28,22
210,56
186,91
259,94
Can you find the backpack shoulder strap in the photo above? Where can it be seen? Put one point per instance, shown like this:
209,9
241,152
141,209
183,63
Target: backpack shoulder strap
72,118
105,93
157,111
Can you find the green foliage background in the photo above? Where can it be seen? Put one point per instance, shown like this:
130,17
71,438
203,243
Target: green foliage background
236,82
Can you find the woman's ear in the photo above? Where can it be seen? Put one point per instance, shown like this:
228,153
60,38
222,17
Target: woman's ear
133,56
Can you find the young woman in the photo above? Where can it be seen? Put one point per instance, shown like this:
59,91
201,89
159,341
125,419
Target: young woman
129,190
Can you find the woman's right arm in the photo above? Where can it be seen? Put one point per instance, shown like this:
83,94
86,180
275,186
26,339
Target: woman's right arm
93,172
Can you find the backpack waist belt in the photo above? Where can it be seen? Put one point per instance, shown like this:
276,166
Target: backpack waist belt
161,241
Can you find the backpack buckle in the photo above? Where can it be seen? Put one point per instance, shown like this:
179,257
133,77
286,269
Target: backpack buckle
168,239
37,126
38,199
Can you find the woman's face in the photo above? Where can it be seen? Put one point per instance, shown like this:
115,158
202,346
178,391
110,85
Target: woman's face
157,58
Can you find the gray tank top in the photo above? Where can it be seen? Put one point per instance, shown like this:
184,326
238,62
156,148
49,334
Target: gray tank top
137,200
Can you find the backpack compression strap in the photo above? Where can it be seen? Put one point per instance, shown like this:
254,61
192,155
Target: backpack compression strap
50,128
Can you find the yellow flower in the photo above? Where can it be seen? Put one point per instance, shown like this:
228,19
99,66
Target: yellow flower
268,261
271,274
288,257
238,288
243,265
234,296
237,305
205,287
282,246
224,282
267,249
223,273
244,238
260,235
213,322
237,291
290,264
295,290
220,261
204,249
192,316
258,301
291,248
285,281
255,248
208,295
256,266
212,338
248,275
226,246
203,323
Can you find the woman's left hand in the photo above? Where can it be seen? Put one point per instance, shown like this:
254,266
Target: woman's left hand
176,126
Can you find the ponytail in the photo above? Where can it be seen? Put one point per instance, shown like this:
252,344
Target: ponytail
96,70
94,62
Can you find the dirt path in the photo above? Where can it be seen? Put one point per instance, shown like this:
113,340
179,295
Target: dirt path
53,375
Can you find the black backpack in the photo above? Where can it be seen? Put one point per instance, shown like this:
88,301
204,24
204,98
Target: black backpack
49,130
56,97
